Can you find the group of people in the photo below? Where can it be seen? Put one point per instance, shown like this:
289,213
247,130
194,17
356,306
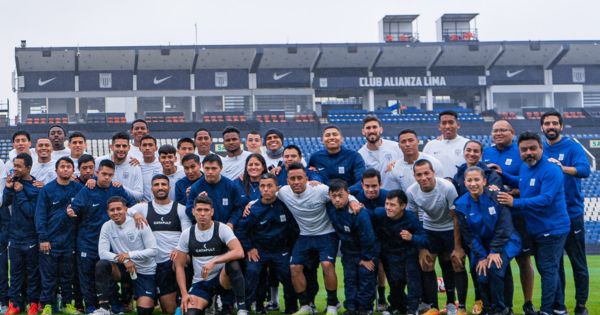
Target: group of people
180,226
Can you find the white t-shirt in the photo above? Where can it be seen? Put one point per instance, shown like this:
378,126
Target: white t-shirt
13,153
44,172
166,240
173,178
435,205
449,152
58,154
379,159
225,235
148,171
402,175
308,208
129,176
233,167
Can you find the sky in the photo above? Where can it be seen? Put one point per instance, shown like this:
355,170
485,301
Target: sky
152,22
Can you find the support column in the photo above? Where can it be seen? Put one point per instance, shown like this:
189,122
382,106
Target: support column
371,100
429,99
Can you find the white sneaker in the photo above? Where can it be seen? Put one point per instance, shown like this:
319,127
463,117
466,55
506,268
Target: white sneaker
101,311
242,312
451,309
331,310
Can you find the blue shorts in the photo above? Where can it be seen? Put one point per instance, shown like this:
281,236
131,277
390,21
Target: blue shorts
323,246
144,285
439,242
206,289
166,281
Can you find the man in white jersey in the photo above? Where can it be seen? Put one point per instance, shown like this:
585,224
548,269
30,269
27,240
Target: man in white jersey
77,147
128,175
254,142
203,141
401,175
449,146
167,156
377,152
307,204
128,253
43,168
215,252
166,219
185,146
234,161
139,128
150,165
57,135
21,143
434,197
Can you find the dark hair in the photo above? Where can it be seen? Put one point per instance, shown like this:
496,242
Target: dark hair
146,137
475,169
26,159
201,129
190,156
551,113
57,126
422,162
397,193
474,141
185,140
370,173
405,131
159,176
246,176
21,133
121,135
203,199
66,159
333,127
296,166
448,112
84,158
106,163
167,149
116,199
269,176
42,138
254,132
529,135
230,129
293,147
370,118
337,184
77,134
137,121
213,158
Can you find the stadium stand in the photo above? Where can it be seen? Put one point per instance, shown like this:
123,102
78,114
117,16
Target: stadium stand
47,119
106,118
168,117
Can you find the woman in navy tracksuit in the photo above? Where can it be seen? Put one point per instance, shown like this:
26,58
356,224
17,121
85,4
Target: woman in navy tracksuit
487,229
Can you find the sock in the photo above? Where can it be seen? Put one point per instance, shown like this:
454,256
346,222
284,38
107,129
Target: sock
103,283
462,285
430,289
236,277
448,276
304,298
275,295
144,310
381,295
332,299
194,311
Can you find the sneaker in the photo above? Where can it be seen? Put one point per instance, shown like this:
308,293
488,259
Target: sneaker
242,312
178,310
528,308
69,309
3,309
560,312
432,311
461,311
331,310
102,311
12,309
272,306
381,307
47,310
304,310
90,309
313,308
116,309
581,310
477,307
34,308
451,309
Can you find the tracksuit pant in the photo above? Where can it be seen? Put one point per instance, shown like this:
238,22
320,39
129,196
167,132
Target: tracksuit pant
56,269
401,271
575,249
87,276
548,254
24,260
359,283
496,288
4,273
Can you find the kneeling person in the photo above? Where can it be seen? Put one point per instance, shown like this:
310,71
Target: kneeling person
215,251
132,259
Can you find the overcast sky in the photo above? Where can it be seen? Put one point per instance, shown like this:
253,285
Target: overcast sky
153,22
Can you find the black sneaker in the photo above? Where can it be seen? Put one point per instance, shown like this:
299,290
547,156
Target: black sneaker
272,306
581,310
529,309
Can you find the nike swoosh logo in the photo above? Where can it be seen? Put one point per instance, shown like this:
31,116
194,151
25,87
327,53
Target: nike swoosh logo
278,77
577,231
95,204
262,222
32,246
42,83
55,202
321,168
159,81
514,73
284,254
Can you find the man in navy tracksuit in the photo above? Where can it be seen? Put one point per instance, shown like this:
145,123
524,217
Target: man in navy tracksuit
401,236
293,154
226,195
89,206
359,249
268,234
571,158
21,194
542,203
56,232
193,171
336,161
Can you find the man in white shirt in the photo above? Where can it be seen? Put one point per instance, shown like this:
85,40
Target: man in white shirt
57,135
203,141
43,168
77,147
254,142
21,142
167,156
128,254
139,128
150,165
234,161
401,175
185,146
126,174
166,219
377,152
449,146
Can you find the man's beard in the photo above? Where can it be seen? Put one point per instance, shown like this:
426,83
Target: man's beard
552,136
